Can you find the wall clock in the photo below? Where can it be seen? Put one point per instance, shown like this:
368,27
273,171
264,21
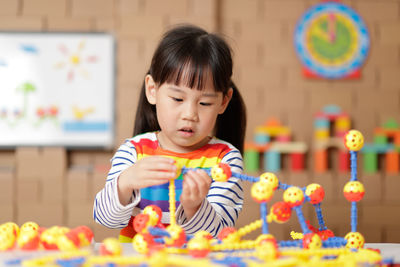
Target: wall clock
332,41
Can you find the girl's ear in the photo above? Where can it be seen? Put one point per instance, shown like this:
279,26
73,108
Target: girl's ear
225,101
150,89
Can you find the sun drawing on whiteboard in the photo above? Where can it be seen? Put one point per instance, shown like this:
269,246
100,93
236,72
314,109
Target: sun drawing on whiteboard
74,61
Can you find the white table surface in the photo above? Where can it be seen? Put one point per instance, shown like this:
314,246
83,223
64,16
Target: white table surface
388,250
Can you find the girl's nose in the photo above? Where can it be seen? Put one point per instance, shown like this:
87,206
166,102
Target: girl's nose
190,112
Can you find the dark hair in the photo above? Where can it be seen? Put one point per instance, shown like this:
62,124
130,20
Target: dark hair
193,52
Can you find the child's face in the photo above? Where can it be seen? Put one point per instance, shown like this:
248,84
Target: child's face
186,116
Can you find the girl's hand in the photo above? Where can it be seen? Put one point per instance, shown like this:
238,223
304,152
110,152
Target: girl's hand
146,172
195,186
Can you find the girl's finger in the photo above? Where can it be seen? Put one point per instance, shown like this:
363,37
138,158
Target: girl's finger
203,182
160,175
189,184
159,159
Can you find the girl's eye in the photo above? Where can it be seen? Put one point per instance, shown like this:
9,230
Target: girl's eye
205,104
177,99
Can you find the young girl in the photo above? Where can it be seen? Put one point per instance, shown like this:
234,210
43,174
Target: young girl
187,107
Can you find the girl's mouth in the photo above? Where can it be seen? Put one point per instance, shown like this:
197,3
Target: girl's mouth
187,132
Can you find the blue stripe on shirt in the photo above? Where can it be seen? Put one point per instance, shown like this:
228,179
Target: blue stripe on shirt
236,166
125,151
236,183
123,159
234,159
227,213
118,164
230,190
223,196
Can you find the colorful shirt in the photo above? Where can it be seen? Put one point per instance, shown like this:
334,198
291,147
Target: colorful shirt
220,208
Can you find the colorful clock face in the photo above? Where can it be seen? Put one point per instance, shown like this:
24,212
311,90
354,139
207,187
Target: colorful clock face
331,40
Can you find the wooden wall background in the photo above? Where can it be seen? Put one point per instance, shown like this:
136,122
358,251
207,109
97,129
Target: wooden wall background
55,186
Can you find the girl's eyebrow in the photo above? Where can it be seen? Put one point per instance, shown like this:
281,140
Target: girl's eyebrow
177,89
210,95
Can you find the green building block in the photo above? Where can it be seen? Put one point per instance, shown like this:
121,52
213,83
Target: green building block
251,160
380,139
370,162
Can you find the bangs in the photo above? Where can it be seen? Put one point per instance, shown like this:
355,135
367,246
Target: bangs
192,75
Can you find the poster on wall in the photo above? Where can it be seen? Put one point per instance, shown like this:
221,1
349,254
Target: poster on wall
332,41
57,89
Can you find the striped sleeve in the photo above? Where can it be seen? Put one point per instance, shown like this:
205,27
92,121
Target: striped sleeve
107,209
222,205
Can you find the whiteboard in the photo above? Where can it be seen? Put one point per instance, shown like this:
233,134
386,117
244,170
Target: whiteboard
57,89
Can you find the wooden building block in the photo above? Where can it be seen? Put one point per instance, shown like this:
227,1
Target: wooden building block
297,162
272,161
370,162
392,162
251,160
289,147
320,161
344,161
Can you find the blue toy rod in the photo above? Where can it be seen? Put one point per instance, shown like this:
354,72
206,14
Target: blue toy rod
353,165
264,211
320,218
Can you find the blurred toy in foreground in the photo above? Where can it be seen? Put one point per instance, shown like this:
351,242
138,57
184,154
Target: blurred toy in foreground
319,240
30,236
159,245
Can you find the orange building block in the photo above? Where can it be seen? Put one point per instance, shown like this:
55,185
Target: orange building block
396,138
320,161
392,162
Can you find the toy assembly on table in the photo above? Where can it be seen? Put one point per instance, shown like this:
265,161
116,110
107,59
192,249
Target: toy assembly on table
155,245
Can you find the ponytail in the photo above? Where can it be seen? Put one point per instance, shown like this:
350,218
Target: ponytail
231,125
146,116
